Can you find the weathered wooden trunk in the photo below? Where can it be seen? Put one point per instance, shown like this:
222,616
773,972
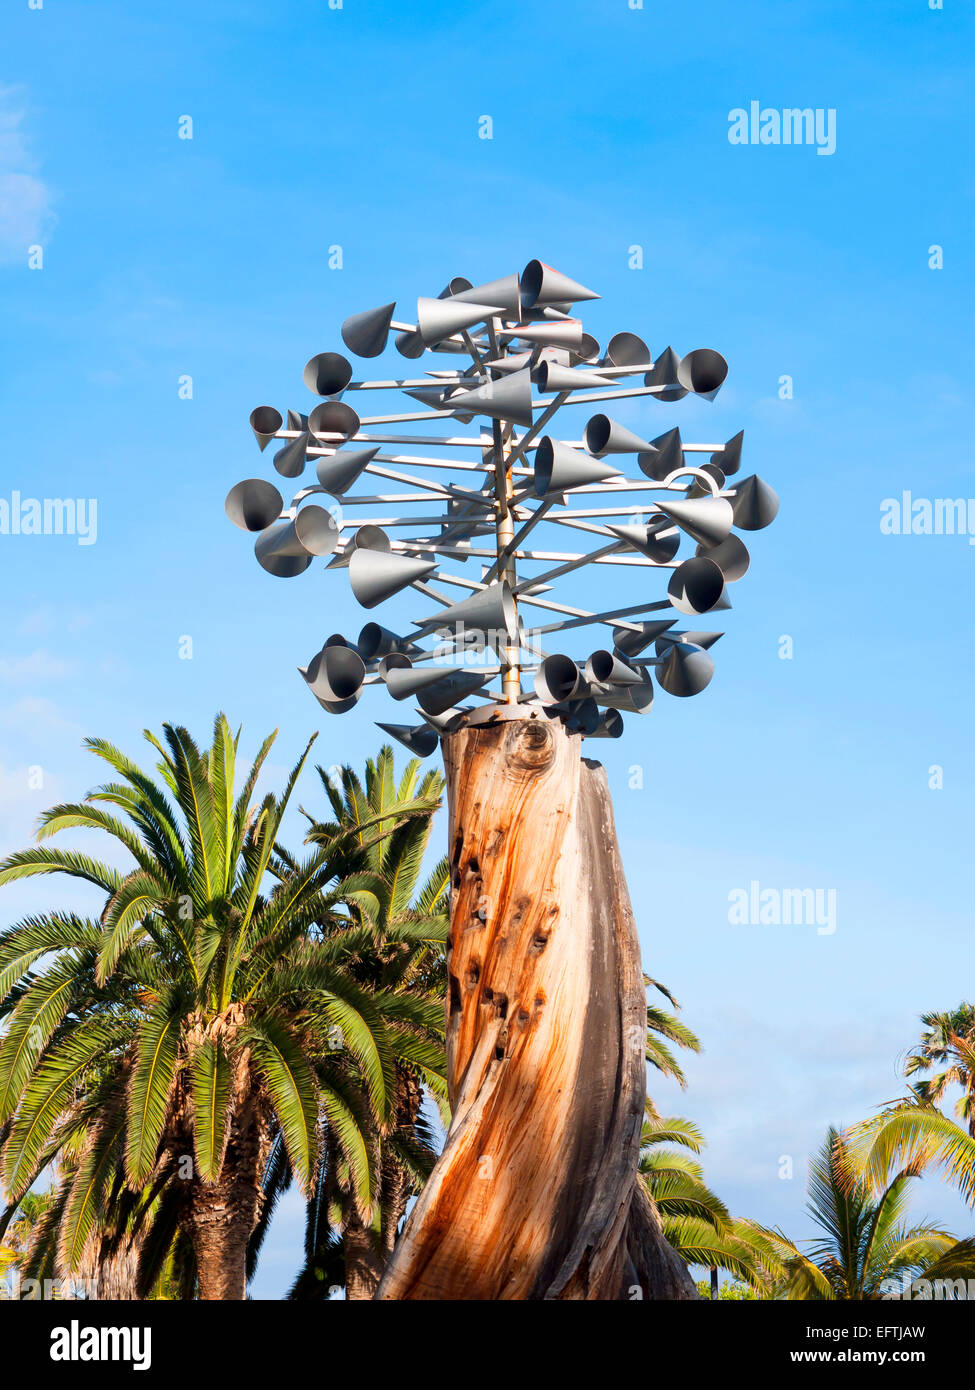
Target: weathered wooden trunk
535,1195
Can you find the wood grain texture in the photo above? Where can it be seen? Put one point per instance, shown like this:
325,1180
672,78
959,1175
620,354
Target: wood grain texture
533,1196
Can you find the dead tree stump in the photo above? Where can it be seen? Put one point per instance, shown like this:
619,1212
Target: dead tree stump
536,1195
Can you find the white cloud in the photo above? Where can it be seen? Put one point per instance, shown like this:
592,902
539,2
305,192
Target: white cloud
26,214
35,714
37,666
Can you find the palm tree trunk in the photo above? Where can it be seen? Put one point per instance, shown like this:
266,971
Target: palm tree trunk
222,1215
363,1262
536,1193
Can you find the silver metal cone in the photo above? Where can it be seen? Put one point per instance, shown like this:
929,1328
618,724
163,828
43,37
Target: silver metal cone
365,334
371,537
447,403
606,436
376,641
633,643
335,674
447,720
440,318
705,640
626,350
541,285
551,313
703,371
658,545
513,363
336,640
297,421
610,725
265,422
334,417
316,530
580,716
606,668
290,461
686,670
558,679
754,504
664,373
550,376
558,466
638,699
506,293
420,739
431,396
729,459
490,611
313,531
404,681
446,693
282,563
567,334
394,661
664,456
507,399
376,576
410,345
731,557
337,472
340,706
707,520
699,488
253,504
588,352
697,586
327,374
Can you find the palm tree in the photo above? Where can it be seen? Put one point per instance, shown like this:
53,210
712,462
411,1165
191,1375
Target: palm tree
914,1132
696,1222
19,1226
176,1036
400,953
866,1244
948,1037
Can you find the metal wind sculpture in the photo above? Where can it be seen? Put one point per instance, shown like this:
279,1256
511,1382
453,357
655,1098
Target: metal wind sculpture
541,925
526,358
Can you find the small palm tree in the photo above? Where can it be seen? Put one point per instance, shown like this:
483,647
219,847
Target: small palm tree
947,1037
914,1132
866,1244
173,1039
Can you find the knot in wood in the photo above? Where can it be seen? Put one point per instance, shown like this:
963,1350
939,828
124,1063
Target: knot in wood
530,746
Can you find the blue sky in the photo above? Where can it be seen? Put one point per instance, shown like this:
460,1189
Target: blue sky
358,127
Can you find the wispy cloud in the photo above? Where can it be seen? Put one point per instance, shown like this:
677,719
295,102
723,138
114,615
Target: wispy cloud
26,214
36,666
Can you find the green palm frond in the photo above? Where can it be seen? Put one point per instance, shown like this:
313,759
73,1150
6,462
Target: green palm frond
59,1073
28,862
151,1085
293,1091
210,1073
912,1136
